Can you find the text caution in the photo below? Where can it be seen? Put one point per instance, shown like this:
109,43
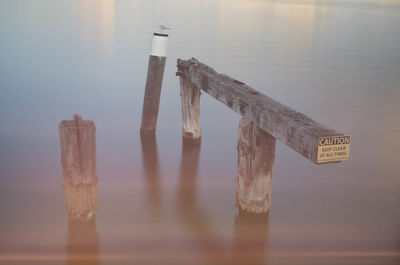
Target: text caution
333,148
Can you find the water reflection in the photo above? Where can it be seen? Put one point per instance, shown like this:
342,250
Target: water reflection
202,236
82,243
97,21
151,172
188,173
397,251
250,229
250,238
203,232
78,153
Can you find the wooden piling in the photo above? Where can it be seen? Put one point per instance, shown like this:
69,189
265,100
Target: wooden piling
78,159
190,98
256,155
154,80
296,130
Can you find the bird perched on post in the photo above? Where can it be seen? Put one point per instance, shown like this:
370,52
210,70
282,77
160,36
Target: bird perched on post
163,27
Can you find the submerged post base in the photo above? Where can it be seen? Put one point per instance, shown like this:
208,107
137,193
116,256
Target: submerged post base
80,201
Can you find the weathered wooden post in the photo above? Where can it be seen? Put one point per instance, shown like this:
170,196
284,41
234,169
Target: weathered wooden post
155,74
309,138
256,155
78,158
190,98
265,121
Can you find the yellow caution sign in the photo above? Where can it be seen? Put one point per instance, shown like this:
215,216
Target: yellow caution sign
333,148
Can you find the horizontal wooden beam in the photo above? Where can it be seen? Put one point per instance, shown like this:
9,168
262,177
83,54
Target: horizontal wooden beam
293,128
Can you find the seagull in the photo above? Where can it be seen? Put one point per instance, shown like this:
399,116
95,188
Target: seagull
163,27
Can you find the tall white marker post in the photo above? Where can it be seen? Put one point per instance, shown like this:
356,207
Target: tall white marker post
155,74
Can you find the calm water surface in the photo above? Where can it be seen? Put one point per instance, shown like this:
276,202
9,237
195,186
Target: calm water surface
162,201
